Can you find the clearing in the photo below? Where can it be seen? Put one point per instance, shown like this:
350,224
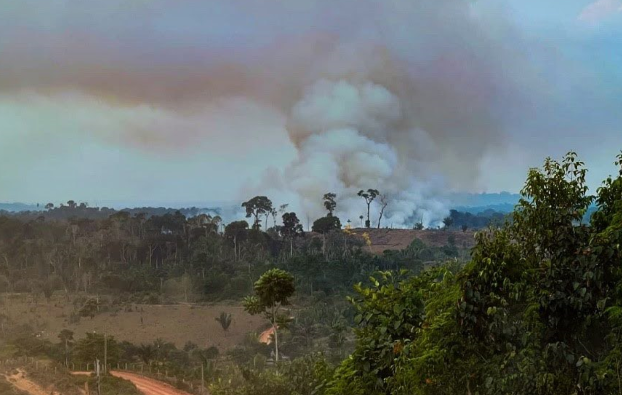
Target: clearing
398,239
177,323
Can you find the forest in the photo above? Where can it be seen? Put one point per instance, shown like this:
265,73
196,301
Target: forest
534,306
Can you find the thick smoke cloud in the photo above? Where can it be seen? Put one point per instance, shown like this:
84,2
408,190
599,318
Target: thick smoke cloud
409,97
346,137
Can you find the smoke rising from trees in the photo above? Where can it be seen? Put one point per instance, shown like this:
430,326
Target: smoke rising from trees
412,98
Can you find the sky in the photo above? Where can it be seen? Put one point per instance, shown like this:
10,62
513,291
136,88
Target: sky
173,102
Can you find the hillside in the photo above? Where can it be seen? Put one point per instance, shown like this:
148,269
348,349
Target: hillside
178,323
398,239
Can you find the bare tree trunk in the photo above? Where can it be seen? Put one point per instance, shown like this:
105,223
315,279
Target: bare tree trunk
276,343
276,336
384,205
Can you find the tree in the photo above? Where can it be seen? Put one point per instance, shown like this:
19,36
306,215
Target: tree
272,291
326,224
49,206
274,213
97,346
66,337
330,203
89,309
464,228
369,197
256,207
384,202
236,232
225,320
291,229
146,353
448,221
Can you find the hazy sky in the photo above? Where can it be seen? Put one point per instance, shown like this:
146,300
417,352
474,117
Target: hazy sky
189,101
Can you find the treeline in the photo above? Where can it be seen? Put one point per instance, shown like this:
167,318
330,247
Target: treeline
72,210
173,256
466,220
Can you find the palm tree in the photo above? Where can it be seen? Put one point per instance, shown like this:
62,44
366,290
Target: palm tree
146,352
225,321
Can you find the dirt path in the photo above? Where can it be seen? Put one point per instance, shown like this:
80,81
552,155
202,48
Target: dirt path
266,336
148,386
19,381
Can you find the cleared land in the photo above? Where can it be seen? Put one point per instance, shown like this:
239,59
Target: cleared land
398,239
180,323
143,324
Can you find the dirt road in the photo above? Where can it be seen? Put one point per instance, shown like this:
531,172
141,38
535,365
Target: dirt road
149,386
19,381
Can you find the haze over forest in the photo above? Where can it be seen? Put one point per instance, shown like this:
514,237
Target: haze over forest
310,197
188,102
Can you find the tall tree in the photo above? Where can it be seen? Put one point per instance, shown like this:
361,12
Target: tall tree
256,207
272,291
326,224
66,337
236,232
369,197
291,229
329,202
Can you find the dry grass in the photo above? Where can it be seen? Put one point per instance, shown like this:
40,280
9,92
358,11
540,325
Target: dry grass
398,239
175,323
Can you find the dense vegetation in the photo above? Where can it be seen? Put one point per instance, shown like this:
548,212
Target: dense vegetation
536,309
102,261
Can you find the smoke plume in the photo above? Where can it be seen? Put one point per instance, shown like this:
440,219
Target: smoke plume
403,97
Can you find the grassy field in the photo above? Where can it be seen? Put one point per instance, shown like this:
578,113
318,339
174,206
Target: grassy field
138,324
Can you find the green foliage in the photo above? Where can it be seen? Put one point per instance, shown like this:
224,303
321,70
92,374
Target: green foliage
272,290
303,376
291,229
330,203
256,207
92,347
369,197
274,287
90,308
326,224
537,310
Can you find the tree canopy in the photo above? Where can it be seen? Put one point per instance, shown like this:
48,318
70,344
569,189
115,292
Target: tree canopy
537,309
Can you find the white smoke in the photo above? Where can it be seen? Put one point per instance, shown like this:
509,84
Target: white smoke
347,135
